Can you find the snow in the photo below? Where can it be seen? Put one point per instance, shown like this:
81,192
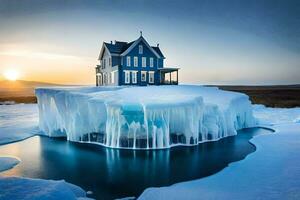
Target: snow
39,189
18,122
271,172
7,163
143,117
276,116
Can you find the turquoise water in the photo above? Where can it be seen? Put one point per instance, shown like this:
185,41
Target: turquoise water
115,173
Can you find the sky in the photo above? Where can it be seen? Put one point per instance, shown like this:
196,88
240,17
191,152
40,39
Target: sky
211,41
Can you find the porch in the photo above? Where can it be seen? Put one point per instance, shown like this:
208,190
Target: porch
168,76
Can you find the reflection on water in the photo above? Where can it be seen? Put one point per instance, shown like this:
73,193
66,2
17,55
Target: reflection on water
112,173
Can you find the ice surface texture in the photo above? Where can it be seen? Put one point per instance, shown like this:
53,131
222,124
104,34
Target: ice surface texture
39,189
18,122
272,172
143,117
7,163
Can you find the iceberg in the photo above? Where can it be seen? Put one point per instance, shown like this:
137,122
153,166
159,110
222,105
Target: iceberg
151,117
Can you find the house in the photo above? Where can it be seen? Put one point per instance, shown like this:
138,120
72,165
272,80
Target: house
133,63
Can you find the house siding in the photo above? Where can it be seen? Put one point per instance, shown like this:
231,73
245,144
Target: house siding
116,60
108,69
147,53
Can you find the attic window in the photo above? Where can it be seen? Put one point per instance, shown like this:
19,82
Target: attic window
140,49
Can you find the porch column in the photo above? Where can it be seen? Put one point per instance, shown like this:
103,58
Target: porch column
177,76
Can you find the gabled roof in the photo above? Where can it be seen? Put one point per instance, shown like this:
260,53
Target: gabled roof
157,49
136,43
122,48
118,47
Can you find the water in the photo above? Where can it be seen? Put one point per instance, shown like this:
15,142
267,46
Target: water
113,173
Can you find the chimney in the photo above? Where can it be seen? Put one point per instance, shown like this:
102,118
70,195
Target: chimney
110,42
157,44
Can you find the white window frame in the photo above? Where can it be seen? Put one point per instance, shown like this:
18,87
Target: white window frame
104,63
134,77
144,61
151,74
140,49
143,72
135,61
109,62
127,77
104,79
128,59
151,62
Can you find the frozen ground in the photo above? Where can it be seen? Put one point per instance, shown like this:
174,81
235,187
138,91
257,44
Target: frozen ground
143,117
276,116
7,162
271,172
18,122
38,189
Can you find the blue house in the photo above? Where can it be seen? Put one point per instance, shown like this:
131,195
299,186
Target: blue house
133,63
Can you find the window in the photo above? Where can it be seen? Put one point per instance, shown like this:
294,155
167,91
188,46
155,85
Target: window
127,76
99,79
143,61
134,76
143,76
128,61
151,62
135,61
140,49
105,79
151,77
109,62
103,62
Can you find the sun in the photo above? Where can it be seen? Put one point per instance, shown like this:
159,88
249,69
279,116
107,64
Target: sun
11,74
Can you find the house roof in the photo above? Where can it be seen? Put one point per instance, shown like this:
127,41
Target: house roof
120,47
157,49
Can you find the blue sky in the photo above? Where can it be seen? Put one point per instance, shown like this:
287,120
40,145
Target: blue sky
212,41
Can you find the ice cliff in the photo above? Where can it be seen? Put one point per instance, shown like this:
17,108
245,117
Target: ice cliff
143,117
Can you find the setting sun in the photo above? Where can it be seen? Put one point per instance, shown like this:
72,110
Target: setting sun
11,74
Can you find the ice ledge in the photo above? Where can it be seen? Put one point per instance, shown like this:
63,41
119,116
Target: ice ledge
143,117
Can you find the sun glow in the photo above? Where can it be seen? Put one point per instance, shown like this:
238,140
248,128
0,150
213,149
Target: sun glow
11,74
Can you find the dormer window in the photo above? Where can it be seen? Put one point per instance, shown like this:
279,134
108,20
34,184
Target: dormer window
140,49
